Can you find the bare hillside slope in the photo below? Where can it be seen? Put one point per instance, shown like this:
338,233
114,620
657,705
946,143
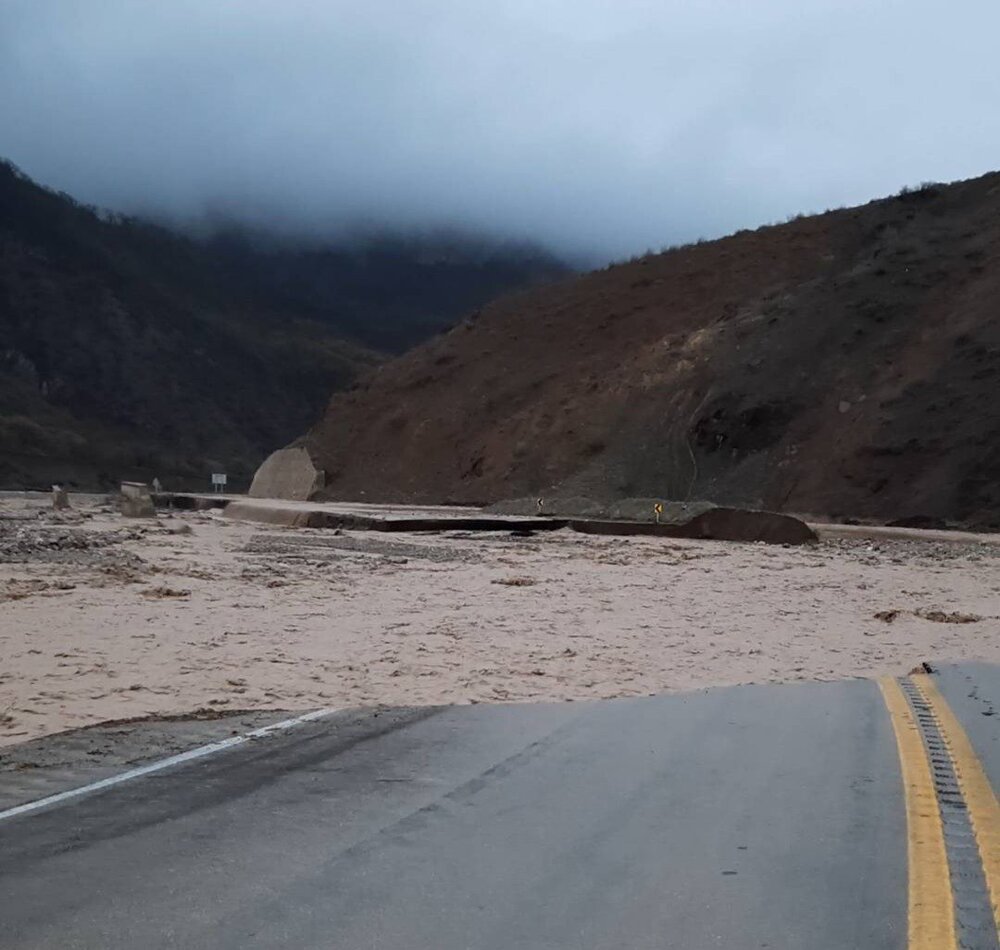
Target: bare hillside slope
845,364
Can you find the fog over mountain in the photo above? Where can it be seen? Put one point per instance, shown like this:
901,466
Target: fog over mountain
598,128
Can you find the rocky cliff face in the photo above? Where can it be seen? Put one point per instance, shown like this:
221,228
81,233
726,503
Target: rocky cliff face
845,364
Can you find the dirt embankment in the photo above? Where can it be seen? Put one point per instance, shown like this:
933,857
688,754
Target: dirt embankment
838,365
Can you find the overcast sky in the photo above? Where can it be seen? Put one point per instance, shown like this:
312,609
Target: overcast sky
596,126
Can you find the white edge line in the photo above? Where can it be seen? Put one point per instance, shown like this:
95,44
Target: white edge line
162,764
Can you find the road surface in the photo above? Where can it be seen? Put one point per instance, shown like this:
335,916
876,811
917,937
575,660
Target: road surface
749,817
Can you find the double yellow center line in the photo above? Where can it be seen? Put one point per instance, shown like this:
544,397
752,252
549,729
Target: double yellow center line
931,914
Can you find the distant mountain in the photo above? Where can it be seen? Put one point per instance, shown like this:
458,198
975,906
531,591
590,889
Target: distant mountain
127,350
845,364
385,291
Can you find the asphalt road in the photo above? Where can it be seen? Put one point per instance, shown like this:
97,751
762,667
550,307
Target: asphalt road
751,817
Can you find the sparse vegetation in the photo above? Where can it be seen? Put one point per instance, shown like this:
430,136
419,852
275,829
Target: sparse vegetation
807,367
926,189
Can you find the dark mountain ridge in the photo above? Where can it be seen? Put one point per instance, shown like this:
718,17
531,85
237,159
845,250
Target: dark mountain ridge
386,291
128,350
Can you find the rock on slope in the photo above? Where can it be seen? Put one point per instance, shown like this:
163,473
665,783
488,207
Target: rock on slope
842,364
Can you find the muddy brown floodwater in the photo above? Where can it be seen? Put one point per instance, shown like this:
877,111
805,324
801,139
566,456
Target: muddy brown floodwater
107,619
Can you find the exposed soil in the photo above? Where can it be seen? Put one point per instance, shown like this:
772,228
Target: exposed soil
843,365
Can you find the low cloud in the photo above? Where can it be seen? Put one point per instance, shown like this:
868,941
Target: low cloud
600,128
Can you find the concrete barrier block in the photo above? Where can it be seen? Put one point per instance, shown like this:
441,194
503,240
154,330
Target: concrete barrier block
135,501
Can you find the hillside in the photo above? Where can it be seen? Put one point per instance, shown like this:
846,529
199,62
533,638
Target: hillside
388,292
130,351
840,365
